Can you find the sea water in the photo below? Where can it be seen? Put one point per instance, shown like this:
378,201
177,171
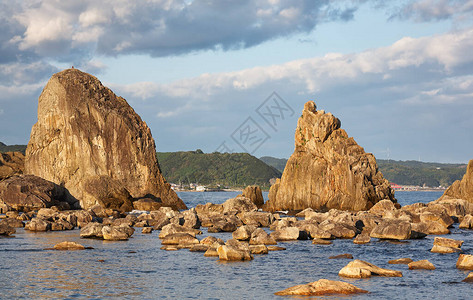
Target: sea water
138,269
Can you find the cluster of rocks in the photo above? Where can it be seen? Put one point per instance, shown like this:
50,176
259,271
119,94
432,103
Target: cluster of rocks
361,269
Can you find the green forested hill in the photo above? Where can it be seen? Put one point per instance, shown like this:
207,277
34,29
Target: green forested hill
278,163
420,173
227,169
404,172
5,148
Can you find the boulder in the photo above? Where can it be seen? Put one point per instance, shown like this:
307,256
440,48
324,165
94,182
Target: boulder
117,233
443,245
243,233
11,163
327,169
6,229
191,219
15,223
37,224
27,193
260,219
258,249
261,237
253,192
363,269
461,189
400,261
362,239
288,234
392,229
430,228
338,229
147,204
180,238
467,222
465,262
173,228
147,230
86,136
382,207
92,230
421,265
210,240
234,251
322,287
238,205
68,246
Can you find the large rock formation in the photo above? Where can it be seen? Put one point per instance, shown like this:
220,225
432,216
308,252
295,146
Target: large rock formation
461,189
327,169
93,143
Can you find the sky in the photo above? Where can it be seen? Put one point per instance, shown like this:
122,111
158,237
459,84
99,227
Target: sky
233,76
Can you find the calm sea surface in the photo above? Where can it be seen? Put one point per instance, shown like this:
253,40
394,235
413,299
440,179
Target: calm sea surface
138,269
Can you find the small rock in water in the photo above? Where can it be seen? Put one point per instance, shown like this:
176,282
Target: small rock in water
147,230
321,242
321,287
444,245
276,248
469,278
421,265
346,255
363,269
465,262
68,246
400,261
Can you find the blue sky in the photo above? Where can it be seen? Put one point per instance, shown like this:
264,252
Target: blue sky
398,74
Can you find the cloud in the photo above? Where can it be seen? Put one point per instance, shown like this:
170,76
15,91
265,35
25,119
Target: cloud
52,28
417,90
435,10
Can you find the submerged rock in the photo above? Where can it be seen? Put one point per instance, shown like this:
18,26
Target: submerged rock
400,261
363,269
68,246
327,169
321,287
93,143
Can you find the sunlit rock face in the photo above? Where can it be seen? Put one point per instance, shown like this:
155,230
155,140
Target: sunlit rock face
93,143
461,189
327,170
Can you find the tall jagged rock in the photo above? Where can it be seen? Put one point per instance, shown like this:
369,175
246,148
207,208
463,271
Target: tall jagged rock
93,143
327,169
461,189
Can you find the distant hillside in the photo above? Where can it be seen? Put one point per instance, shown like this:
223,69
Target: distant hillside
228,169
5,148
420,173
277,163
404,172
